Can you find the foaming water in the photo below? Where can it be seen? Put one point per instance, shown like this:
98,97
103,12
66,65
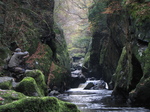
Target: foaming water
97,101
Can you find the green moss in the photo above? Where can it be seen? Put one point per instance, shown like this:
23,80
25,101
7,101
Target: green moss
141,93
123,74
67,107
102,53
44,62
4,54
86,60
139,11
39,79
59,75
147,62
44,104
79,55
95,15
10,95
6,85
28,87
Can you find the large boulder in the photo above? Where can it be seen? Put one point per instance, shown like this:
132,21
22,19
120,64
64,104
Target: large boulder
89,85
95,84
39,78
28,87
17,102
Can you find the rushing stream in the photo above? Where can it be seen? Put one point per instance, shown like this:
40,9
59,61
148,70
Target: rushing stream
97,101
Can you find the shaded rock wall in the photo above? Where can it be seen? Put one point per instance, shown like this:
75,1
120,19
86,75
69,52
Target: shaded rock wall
119,51
29,24
106,46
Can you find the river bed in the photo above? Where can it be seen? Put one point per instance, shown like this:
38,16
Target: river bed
97,101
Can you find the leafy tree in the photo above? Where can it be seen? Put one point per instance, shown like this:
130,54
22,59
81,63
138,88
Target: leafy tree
73,18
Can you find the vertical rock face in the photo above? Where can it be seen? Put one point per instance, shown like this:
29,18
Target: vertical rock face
107,42
120,49
29,24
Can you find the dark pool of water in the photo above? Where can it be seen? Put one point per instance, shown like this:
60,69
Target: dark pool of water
97,101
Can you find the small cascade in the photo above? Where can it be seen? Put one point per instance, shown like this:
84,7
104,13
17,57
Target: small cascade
96,100
106,86
82,85
93,85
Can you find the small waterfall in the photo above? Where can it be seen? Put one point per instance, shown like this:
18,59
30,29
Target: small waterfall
82,85
93,84
106,86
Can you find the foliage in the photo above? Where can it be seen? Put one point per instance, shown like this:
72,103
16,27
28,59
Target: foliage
96,16
140,11
82,42
113,7
72,16
19,23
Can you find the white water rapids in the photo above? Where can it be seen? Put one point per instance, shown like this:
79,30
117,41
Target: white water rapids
96,100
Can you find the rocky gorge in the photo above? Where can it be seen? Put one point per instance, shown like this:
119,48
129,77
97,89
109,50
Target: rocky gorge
118,54
30,26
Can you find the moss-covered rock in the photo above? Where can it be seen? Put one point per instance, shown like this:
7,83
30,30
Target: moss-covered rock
123,74
146,67
41,59
39,79
43,104
31,27
5,54
6,82
120,45
59,78
28,86
10,96
140,95
139,11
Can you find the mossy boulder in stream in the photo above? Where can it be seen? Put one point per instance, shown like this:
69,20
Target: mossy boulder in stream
39,79
28,87
17,102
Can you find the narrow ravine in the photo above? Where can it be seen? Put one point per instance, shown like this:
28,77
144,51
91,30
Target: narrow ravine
97,101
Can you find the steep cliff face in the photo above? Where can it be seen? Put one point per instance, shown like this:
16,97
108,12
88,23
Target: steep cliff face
120,48
133,63
106,44
29,24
